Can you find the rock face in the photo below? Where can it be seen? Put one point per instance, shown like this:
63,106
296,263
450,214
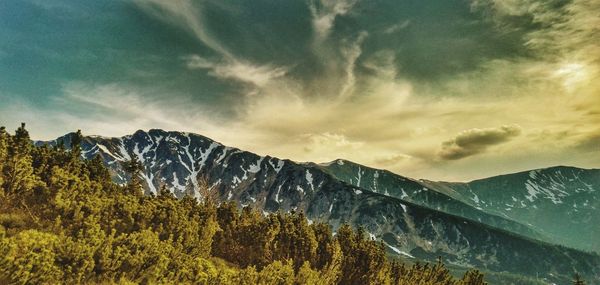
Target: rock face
415,221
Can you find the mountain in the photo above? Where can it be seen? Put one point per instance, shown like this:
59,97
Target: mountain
443,199
563,202
409,230
557,205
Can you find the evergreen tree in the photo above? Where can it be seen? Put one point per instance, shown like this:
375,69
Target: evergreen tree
473,277
577,280
21,140
19,178
76,139
97,170
3,156
134,168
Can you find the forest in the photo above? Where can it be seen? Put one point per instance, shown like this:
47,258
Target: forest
63,221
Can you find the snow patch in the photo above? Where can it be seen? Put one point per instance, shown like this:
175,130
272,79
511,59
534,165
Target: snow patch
277,167
533,174
396,250
123,151
106,151
255,168
223,155
404,208
476,199
309,178
236,180
404,195
176,184
277,194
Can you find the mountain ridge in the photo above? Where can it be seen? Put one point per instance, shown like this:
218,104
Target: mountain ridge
271,184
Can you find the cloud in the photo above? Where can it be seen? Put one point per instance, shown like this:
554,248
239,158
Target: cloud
324,13
563,29
392,160
352,54
189,15
329,140
475,141
119,109
397,27
186,14
258,75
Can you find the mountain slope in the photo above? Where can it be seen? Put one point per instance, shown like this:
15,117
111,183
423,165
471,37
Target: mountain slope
176,160
562,201
444,199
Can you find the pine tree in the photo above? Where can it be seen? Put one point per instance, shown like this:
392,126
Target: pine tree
3,156
96,169
22,140
19,177
577,280
76,140
473,277
134,168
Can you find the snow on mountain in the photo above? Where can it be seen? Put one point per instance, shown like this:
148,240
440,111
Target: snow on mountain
421,193
563,202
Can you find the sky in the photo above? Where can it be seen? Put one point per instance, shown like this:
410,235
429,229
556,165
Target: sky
442,89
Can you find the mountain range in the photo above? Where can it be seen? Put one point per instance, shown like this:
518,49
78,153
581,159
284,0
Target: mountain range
541,223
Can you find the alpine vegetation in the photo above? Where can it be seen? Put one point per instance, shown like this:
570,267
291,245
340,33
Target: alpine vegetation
63,220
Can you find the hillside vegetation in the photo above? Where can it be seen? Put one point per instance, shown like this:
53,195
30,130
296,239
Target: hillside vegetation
62,220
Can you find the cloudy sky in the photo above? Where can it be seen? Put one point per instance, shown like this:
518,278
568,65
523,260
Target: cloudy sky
442,89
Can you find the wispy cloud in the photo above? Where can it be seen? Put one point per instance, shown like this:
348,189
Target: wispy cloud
188,15
565,30
351,54
324,13
397,27
393,160
258,75
329,142
118,109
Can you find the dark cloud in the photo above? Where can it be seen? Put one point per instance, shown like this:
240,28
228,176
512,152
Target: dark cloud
475,141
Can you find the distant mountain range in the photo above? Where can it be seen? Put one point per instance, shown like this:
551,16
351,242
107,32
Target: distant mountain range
541,223
557,204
